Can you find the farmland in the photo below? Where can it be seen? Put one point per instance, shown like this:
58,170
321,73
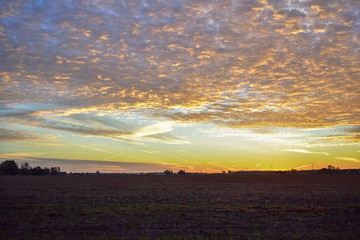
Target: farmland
180,207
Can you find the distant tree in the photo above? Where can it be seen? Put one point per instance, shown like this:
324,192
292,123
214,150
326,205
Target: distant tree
25,166
38,171
46,171
98,173
25,169
168,172
331,167
331,170
324,170
181,172
55,170
9,167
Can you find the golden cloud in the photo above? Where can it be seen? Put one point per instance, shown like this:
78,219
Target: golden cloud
253,63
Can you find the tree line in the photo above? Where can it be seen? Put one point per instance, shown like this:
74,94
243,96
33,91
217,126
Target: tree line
10,167
170,172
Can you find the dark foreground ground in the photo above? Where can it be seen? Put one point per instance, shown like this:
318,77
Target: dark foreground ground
180,207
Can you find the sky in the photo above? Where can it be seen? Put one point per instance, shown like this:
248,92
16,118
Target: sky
198,85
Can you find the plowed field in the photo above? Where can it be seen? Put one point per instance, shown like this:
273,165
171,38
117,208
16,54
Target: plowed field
180,207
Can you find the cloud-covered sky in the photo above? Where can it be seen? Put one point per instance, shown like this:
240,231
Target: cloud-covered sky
192,82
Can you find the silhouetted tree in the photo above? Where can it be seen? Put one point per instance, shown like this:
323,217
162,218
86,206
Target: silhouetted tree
330,170
37,171
9,167
25,169
168,172
181,172
331,167
54,170
46,171
26,166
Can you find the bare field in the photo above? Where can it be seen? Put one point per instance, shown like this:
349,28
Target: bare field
180,207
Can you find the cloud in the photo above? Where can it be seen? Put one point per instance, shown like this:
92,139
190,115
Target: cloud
19,156
354,129
306,151
16,135
303,166
348,159
346,137
157,128
99,149
167,138
225,165
236,64
150,151
348,134
106,126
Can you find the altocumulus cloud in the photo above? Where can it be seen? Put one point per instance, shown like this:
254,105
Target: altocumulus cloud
233,63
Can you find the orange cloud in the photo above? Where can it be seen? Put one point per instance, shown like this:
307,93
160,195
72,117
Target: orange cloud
245,64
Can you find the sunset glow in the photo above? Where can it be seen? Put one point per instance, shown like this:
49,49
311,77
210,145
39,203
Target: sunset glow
204,86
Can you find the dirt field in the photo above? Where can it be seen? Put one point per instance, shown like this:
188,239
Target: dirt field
180,207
